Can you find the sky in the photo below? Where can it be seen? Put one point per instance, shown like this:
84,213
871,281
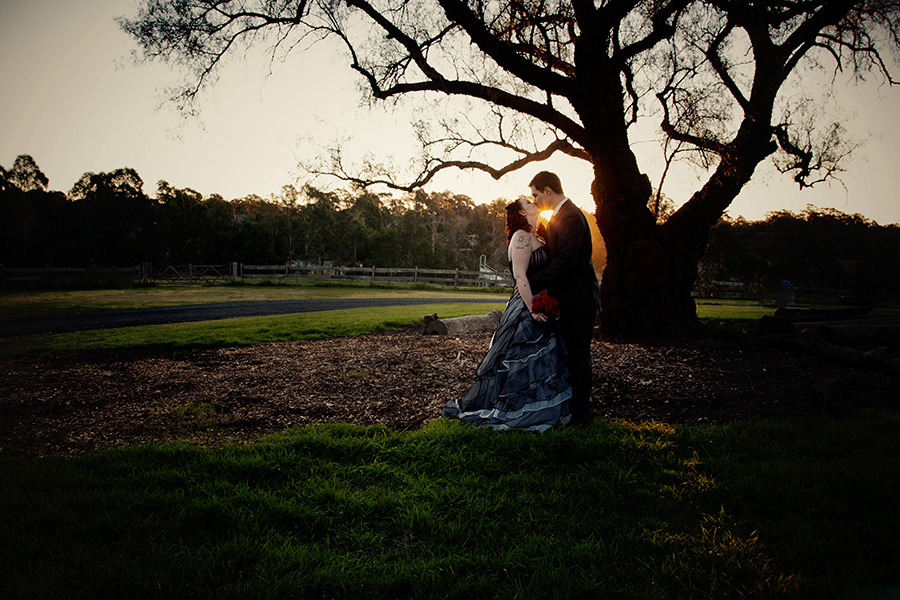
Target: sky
74,99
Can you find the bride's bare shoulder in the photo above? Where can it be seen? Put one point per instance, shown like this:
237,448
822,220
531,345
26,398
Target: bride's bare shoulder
522,240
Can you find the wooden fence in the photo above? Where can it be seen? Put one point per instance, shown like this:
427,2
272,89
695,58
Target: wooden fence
452,277
209,274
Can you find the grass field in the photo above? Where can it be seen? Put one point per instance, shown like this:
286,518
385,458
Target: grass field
788,508
225,332
24,303
253,330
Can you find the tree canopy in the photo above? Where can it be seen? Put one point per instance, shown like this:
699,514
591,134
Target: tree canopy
720,78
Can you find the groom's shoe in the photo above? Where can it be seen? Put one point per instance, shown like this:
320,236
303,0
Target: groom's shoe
580,420
581,416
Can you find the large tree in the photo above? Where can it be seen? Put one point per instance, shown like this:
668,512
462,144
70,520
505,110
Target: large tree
575,76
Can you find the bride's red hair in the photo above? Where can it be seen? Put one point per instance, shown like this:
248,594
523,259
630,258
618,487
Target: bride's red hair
515,220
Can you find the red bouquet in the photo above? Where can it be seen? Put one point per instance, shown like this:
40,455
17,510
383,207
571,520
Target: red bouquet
545,303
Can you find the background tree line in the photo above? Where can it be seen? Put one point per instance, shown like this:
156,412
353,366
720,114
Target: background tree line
107,220
818,251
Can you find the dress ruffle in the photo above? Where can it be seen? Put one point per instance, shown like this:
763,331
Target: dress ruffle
523,381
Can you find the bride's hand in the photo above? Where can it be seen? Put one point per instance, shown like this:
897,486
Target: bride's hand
539,317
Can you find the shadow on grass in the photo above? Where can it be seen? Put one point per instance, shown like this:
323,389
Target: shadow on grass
796,508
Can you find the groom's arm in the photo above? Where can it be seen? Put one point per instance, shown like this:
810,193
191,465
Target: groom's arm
563,266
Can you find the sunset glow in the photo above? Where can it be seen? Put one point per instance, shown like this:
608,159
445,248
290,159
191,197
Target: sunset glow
81,105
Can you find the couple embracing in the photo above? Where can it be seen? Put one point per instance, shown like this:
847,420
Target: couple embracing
537,371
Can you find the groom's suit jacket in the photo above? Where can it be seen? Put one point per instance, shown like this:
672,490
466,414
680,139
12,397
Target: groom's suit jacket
570,276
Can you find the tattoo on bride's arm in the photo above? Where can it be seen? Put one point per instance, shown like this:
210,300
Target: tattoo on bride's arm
522,242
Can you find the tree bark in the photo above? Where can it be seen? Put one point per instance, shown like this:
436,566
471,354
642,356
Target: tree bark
651,269
462,325
646,286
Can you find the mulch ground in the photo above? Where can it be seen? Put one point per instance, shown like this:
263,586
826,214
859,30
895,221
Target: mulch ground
401,380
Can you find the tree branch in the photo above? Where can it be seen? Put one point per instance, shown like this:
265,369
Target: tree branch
715,61
428,174
458,11
670,130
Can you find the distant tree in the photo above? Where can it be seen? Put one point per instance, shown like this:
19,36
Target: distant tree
182,224
34,228
384,248
112,218
121,183
32,220
487,224
318,223
531,79
415,226
26,175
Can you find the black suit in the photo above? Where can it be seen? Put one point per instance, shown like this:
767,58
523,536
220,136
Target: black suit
570,278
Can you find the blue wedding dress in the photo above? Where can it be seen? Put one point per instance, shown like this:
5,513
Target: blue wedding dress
522,381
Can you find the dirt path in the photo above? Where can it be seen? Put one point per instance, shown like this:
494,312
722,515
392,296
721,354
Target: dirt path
401,380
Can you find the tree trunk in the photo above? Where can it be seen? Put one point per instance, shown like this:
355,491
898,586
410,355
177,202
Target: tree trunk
651,269
646,287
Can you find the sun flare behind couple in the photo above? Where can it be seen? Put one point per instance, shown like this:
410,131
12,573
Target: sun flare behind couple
537,370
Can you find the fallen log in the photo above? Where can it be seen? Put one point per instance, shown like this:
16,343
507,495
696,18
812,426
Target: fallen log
811,341
794,320
462,325
850,333
871,322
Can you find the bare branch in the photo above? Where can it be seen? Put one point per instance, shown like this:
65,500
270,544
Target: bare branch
458,11
812,165
338,171
718,65
695,140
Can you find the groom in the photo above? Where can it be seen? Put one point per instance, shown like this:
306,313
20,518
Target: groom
570,278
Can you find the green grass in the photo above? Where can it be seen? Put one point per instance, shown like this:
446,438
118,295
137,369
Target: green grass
238,332
799,508
25,303
731,318
254,330
733,311
767,509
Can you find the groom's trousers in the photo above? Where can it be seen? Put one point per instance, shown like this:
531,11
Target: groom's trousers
576,330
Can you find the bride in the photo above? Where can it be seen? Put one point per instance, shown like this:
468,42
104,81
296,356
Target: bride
523,381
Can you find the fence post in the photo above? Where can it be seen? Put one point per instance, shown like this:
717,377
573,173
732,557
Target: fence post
416,275
372,280
456,279
145,272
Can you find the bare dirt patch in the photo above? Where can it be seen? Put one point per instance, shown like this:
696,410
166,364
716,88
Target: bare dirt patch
401,380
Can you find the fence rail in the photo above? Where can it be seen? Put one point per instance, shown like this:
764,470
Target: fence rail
454,277
209,274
